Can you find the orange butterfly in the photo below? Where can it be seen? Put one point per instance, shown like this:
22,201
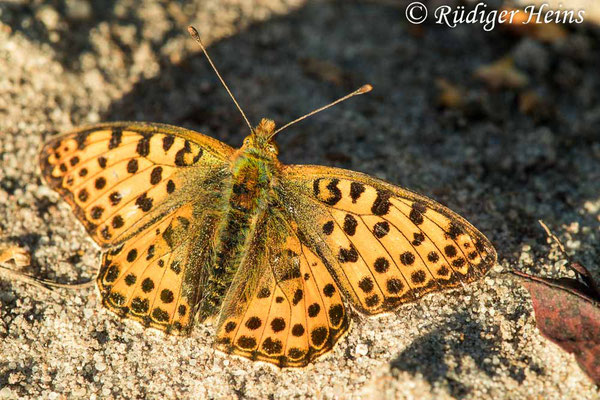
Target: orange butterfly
193,228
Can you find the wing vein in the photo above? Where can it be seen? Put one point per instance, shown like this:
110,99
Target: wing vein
389,254
361,257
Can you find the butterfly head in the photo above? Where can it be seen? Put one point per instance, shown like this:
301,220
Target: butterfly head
261,141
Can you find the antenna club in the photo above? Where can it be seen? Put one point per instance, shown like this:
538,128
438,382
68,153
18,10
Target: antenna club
364,89
193,32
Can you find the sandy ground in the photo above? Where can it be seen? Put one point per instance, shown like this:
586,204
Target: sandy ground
498,159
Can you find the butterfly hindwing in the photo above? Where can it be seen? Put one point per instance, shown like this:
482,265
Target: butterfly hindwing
143,279
119,177
283,307
385,245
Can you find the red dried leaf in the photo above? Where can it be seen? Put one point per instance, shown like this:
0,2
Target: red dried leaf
569,318
567,313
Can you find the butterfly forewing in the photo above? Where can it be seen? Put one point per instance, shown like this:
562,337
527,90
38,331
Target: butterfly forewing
119,177
383,244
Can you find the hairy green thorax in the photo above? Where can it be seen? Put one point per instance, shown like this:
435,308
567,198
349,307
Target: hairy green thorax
252,170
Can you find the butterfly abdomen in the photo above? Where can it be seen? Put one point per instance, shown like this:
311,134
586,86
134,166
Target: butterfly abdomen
247,200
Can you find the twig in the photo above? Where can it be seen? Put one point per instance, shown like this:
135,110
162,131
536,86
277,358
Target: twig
553,237
20,258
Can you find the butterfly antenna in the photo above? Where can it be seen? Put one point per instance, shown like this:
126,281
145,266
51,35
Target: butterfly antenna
194,33
363,89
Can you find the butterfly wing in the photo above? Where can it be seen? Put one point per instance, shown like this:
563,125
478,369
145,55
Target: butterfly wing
119,177
283,306
149,195
155,277
384,245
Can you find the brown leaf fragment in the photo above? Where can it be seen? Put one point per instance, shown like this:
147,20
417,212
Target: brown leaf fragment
449,95
15,255
567,312
533,104
502,74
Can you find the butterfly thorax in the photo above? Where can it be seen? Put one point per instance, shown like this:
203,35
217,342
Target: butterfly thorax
253,172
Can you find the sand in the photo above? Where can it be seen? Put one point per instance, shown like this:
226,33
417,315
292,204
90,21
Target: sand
503,158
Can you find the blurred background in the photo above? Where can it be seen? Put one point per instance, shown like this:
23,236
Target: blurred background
501,125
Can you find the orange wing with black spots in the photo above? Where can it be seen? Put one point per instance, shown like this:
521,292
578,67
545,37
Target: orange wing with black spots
383,244
148,194
284,306
154,277
119,177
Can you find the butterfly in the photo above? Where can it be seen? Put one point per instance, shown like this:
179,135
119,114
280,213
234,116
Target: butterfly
193,229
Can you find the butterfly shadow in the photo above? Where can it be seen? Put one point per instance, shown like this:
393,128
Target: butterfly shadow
452,350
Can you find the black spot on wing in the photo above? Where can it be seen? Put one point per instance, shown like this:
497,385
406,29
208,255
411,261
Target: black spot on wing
169,236
81,139
83,195
328,227
156,175
143,145
336,194
132,166
416,217
331,196
291,273
170,186
380,229
180,155
115,198
381,205
454,231
197,156
144,202
418,238
356,189
348,255
350,224
418,277
167,142
115,138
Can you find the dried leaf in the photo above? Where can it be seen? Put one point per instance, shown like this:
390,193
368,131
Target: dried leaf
450,95
535,105
15,255
502,74
567,312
